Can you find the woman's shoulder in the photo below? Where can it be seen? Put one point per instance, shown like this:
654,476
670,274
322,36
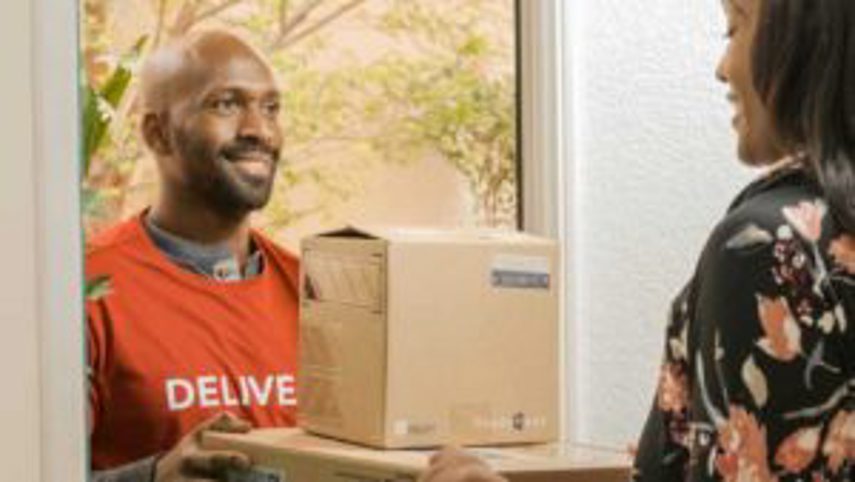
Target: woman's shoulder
779,204
787,220
784,219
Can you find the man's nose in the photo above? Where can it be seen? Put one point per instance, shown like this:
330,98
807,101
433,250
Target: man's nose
254,124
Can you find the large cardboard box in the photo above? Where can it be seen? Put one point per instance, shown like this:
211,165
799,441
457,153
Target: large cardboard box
418,338
290,455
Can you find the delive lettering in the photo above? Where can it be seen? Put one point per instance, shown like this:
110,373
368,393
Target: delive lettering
221,391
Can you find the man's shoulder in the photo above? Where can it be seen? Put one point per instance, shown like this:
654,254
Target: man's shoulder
271,247
112,241
287,263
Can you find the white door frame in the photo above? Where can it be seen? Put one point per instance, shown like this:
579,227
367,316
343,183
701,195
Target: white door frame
59,247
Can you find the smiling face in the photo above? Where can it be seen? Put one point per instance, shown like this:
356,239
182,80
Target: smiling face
218,138
752,119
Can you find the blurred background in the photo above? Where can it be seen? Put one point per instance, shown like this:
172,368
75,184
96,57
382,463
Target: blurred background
395,111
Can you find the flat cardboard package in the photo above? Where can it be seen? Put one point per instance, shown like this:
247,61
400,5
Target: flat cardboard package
419,338
290,455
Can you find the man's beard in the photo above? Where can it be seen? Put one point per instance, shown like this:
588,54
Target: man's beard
217,179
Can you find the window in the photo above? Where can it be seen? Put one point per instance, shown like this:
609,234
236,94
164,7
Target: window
395,111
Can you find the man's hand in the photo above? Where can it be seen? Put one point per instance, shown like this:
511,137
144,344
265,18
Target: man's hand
188,461
454,465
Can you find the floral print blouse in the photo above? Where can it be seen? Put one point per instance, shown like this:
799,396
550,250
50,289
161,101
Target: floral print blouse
757,380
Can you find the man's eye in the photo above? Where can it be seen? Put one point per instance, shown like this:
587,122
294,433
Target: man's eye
271,108
225,106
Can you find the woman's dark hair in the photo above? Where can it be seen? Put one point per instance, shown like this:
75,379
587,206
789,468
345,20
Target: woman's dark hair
804,70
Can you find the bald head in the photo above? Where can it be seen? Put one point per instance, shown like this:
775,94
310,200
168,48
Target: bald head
184,67
211,119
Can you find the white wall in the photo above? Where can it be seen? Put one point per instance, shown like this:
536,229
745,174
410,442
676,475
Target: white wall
59,264
19,356
653,165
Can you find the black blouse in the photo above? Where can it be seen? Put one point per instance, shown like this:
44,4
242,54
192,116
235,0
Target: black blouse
757,380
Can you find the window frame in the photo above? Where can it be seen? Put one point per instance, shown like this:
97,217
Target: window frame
547,164
545,173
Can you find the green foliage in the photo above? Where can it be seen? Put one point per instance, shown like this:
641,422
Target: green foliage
96,117
452,104
97,288
99,105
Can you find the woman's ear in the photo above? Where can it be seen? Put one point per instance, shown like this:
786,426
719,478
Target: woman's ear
154,133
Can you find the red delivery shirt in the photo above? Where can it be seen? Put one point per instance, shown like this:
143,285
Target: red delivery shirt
168,348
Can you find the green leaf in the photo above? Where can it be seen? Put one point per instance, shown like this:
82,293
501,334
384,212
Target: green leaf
90,201
474,46
94,126
96,117
97,288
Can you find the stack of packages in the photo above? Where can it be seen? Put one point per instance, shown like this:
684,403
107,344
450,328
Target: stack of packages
415,339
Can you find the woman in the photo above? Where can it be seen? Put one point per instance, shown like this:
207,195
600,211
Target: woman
757,383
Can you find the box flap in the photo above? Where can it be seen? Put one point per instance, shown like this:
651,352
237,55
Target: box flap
388,233
348,231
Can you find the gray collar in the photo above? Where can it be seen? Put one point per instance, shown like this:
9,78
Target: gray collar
212,260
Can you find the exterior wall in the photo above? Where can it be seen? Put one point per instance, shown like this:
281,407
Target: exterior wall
653,167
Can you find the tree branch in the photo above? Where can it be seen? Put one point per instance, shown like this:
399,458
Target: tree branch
287,25
161,20
321,23
184,19
283,13
189,15
216,9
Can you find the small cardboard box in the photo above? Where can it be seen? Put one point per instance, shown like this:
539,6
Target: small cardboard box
290,455
419,338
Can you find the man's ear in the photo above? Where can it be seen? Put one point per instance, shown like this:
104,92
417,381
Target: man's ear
154,133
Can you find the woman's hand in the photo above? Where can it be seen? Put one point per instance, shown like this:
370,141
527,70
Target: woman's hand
452,464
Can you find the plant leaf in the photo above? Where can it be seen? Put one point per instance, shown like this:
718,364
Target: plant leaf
97,288
95,120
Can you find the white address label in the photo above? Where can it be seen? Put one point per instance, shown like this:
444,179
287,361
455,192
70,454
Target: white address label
525,272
